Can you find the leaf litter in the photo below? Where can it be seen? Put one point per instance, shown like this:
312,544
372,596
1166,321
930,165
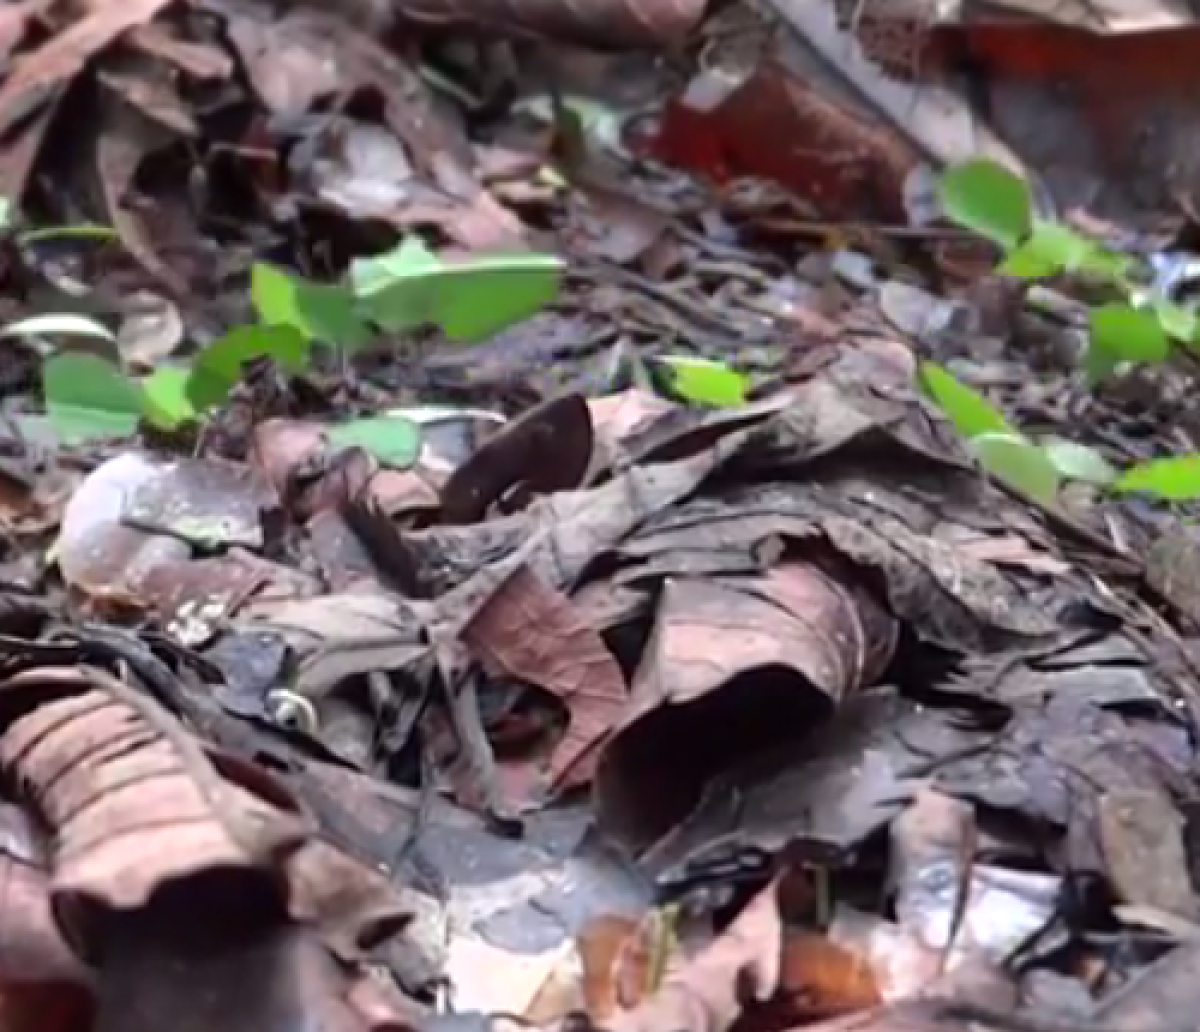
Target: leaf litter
523,580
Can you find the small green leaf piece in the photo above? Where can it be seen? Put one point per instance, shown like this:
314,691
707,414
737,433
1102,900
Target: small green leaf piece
703,381
1127,334
219,366
1178,321
394,440
1051,249
1121,333
165,398
965,407
324,312
1019,463
62,324
470,300
1075,461
409,258
988,199
1176,479
89,398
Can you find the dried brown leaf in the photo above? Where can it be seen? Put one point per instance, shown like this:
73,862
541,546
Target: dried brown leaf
65,54
531,632
132,800
706,994
32,948
548,449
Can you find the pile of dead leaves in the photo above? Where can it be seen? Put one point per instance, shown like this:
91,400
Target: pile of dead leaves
605,712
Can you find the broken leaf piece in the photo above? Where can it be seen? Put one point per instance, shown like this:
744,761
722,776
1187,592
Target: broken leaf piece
89,398
320,311
703,381
470,299
966,408
393,439
1018,462
1176,478
987,198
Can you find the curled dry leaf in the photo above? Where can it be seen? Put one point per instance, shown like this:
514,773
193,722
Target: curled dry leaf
532,632
97,552
733,665
548,449
131,798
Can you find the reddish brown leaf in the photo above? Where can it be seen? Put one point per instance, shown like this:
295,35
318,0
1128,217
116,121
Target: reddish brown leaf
848,167
821,978
706,994
532,632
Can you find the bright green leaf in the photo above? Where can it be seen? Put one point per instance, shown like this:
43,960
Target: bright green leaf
89,398
965,407
1177,479
470,300
1076,461
1102,264
703,381
1050,249
393,440
63,324
988,199
1176,320
1122,333
324,312
1099,365
165,397
408,258
219,366
1019,463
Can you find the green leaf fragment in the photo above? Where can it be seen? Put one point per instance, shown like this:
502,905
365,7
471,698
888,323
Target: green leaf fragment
393,440
1122,333
1179,322
409,258
1019,463
165,397
1050,249
703,381
1175,479
964,406
988,199
471,300
324,312
219,366
1075,461
89,398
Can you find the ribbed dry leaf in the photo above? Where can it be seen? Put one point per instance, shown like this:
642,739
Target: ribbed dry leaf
132,800
32,948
